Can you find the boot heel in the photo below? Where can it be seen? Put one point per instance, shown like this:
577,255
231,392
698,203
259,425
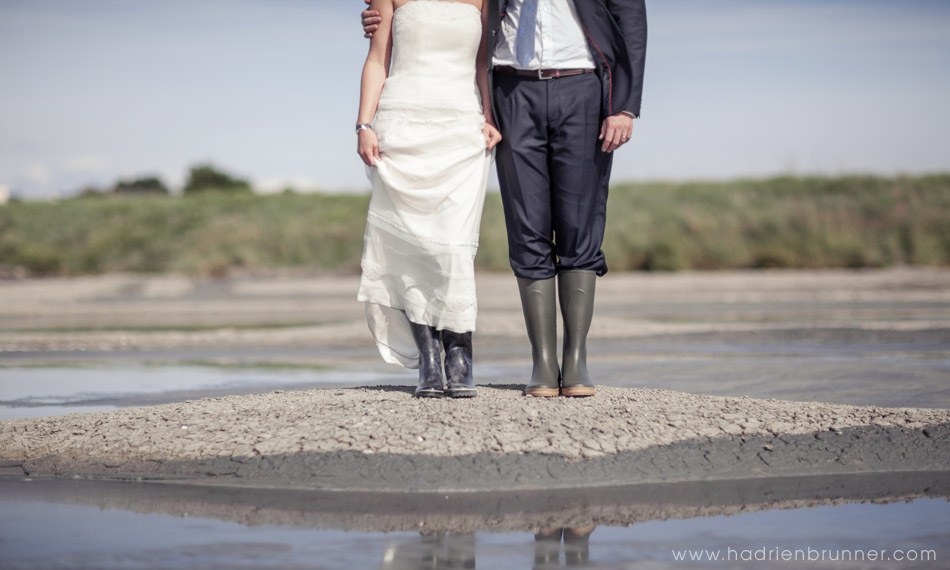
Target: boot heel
541,392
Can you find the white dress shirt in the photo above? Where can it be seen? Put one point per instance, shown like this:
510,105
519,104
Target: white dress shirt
559,38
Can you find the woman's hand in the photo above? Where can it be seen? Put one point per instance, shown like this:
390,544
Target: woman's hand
492,136
368,147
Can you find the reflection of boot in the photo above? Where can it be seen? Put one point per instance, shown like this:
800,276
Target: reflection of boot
458,364
576,546
430,361
460,552
432,551
576,290
547,549
540,308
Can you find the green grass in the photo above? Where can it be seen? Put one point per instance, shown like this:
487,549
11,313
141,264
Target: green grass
781,222
856,221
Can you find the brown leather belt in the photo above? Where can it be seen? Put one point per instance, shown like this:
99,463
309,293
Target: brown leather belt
539,73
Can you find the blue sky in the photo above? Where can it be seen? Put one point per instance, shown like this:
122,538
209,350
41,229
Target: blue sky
95,90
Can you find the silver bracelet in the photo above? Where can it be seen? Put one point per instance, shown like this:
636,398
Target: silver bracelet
363,127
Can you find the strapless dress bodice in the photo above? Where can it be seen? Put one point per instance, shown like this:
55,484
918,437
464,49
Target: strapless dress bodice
435,48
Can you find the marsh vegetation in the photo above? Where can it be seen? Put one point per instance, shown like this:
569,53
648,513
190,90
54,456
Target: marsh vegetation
855,221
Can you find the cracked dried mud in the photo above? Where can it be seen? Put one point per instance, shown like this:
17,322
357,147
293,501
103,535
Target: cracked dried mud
382,438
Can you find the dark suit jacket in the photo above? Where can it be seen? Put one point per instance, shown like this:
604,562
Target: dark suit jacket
616,33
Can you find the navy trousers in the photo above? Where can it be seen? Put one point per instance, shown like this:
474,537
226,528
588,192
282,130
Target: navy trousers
552,173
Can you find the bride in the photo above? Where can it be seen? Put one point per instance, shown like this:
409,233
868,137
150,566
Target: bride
428,154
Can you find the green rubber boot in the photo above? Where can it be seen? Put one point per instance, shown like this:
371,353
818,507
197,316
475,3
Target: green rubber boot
540,316
576,291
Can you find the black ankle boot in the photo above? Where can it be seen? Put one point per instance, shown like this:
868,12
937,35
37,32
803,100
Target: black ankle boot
458,364
430,361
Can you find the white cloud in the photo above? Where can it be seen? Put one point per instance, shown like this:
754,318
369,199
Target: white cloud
38,173
276,185
90,163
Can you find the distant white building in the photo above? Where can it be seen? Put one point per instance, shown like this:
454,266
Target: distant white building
4,194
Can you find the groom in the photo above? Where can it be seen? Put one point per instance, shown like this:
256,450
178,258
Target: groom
567,76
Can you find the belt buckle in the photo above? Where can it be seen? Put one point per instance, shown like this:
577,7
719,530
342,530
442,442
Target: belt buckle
543,78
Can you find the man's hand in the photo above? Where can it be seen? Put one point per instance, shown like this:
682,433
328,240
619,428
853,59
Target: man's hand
371,21
615,131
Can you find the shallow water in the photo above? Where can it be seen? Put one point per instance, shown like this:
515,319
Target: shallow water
47,525
50,391
861,375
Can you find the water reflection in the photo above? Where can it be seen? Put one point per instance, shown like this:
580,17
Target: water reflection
432,552
553,548
459,513
102,524
576,542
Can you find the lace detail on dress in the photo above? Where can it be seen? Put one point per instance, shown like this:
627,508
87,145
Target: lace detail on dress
453,303
429,115
372,271
458,304
374,216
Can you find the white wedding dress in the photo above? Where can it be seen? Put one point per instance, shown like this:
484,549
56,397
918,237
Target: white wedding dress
429,185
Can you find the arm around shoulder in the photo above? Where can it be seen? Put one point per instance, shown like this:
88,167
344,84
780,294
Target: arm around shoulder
370,19
631,17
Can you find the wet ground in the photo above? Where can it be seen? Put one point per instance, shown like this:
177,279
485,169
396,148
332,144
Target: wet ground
863,338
